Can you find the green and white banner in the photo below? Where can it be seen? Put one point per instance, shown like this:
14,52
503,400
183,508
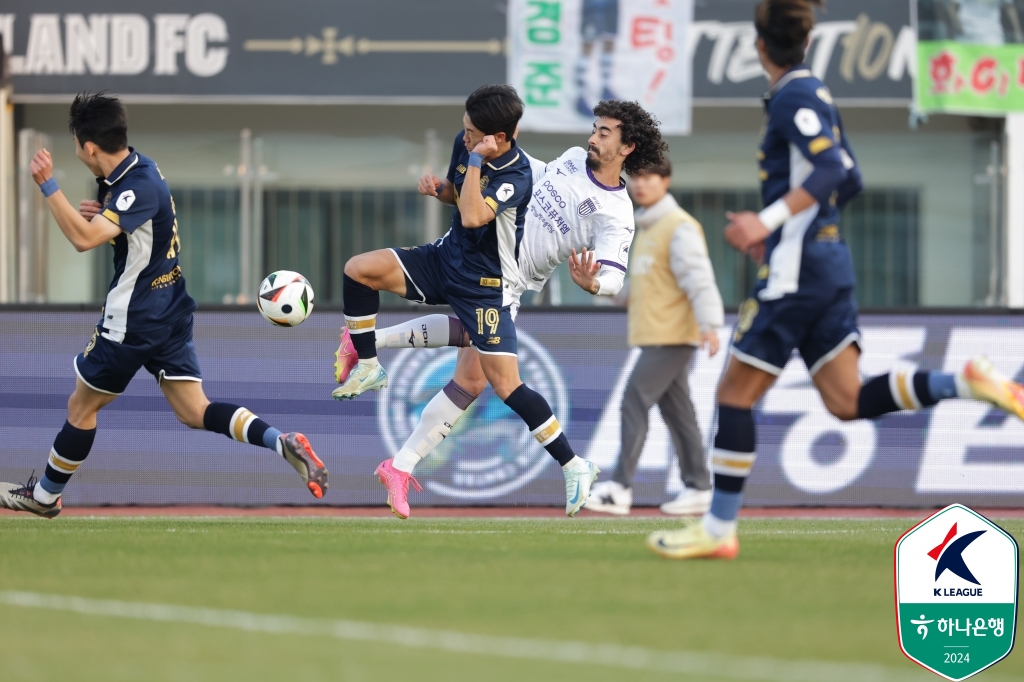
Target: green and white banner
567,55
970,56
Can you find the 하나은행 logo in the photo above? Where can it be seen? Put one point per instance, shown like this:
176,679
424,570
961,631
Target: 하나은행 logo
956,577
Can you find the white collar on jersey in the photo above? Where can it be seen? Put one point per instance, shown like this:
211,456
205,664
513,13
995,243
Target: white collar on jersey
128,168
787,79
493,167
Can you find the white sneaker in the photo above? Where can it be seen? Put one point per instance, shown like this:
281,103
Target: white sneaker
577,486
610,497
689,502
363,377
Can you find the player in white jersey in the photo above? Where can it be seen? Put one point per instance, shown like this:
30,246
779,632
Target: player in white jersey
579,212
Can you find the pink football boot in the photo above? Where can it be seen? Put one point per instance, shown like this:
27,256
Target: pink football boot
397,484
345,357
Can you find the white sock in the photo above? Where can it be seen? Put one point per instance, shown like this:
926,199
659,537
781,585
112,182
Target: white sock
373,362
436,422
716,527
575,464
429,331
43,496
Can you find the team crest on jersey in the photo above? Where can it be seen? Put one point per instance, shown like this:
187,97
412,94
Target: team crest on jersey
588,207
484,181
490,452
106,199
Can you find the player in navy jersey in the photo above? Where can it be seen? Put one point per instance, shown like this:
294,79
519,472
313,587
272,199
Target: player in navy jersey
147,318
803,299
474,268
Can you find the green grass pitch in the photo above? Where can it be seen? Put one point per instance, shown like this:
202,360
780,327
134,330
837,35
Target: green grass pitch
802,592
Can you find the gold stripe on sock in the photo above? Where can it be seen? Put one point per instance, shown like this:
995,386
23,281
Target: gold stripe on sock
547,431
364,325
62,465
238,425
901,386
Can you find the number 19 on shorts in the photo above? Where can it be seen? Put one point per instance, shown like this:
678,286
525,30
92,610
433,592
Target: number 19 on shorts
489,318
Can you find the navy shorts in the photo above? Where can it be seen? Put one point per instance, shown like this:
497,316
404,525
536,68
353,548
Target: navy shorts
169,353
818,324
600,20
478,305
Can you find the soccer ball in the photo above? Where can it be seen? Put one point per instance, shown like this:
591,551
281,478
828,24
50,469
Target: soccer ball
285,298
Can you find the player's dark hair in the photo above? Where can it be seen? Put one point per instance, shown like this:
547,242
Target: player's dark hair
637,127
495,109
100,119
784,26
664,169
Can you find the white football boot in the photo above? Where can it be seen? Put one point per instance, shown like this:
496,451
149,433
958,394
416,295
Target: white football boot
577,485
610,497
363,377
690,502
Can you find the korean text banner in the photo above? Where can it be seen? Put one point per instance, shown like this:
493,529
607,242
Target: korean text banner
970,56
958,451
567,55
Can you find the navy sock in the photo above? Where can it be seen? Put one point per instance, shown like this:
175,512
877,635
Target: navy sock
70,448
541,421
732,461
875,398
899,390
240,424
361,306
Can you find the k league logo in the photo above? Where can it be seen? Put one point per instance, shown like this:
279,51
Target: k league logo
956,592
490,452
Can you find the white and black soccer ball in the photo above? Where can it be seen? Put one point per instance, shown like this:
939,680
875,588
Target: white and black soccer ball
285,298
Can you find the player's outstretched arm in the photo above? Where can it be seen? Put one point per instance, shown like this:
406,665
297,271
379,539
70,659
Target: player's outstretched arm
83,234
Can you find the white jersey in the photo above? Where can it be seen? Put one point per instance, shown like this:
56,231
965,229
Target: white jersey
570,210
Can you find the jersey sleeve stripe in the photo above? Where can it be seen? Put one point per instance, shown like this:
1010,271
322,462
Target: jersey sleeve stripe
111,216
612,264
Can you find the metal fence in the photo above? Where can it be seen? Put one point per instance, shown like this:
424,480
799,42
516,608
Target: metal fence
316,231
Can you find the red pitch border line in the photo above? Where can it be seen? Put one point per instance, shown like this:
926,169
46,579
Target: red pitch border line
504,512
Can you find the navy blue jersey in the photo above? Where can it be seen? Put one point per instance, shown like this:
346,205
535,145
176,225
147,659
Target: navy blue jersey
148,289
489,252
805,146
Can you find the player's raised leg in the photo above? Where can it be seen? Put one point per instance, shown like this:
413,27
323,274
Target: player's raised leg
439,417
366,275
194,409
428,331
910,389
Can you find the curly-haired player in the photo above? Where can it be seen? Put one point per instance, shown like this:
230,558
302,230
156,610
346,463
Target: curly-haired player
579,211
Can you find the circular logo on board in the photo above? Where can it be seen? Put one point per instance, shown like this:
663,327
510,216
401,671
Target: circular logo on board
489,452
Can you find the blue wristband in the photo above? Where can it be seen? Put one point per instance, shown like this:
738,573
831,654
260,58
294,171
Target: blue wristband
475,159
49,187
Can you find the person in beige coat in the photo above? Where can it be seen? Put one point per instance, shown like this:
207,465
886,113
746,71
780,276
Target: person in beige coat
674,309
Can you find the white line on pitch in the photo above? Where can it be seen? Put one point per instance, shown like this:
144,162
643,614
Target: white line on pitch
637,658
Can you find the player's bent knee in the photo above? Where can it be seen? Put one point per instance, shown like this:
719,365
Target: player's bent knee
473,385
843,411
